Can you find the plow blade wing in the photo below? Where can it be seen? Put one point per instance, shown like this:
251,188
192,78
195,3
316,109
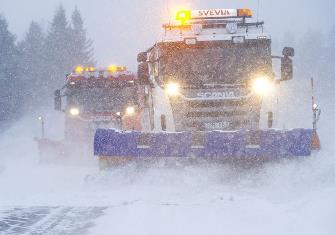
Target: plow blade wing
214,144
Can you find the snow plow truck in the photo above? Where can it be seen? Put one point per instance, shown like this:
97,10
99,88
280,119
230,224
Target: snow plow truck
205,83
90,99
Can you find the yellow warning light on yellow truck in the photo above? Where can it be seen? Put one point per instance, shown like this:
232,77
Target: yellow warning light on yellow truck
183,16
116,68
112,68
79,69
90,69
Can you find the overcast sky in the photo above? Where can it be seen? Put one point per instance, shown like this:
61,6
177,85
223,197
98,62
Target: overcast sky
121,29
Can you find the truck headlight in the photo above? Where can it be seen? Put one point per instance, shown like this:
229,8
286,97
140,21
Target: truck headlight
130,110
262,85
74,112
172,89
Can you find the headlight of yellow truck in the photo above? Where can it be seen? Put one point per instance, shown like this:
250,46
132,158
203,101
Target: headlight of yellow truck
172,89
130,110
262,85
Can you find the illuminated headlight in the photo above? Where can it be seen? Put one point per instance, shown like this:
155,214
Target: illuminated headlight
172,89
118,113
262,85
130,110
74,111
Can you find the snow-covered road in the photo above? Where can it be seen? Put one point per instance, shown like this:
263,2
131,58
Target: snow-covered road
48,220
282,198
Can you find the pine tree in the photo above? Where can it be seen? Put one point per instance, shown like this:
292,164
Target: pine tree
81,48
10,86
58,50
32,61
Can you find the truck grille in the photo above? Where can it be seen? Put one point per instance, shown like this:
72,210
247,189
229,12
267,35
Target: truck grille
218,115
205,104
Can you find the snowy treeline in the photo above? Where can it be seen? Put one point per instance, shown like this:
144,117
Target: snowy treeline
31,69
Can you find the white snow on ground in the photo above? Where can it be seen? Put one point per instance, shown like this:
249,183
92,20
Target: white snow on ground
288,198
291,197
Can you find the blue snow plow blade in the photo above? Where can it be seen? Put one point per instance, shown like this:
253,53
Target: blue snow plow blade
213,144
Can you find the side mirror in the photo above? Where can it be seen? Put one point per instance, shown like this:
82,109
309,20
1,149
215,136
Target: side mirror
286,68
142,57
288,51
58,100
143,73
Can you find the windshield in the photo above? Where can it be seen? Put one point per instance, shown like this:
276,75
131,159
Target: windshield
102,97
214,62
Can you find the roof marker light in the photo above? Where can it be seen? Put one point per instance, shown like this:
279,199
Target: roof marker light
90,69
116,68
244,13
79,69
112,68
